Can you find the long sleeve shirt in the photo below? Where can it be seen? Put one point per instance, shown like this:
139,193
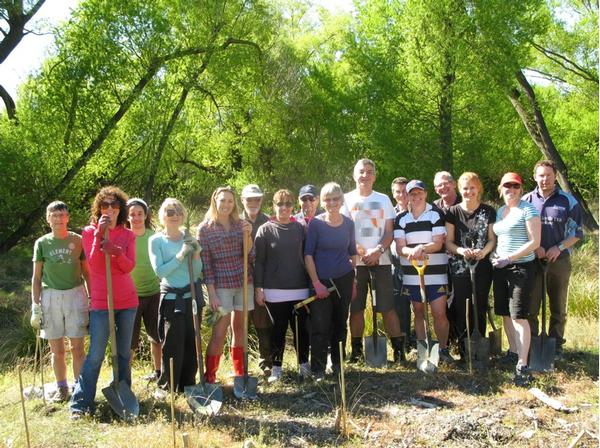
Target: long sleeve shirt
123,290
171,271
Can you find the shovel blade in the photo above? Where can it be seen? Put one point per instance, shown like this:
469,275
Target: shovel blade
244,388
122,401
495,338
375,351
541,353
428,356
204,399
480,351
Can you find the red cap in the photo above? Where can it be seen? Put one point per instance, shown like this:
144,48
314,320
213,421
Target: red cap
511,177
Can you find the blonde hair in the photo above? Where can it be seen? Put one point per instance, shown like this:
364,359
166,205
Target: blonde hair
469,176
177,205
212,213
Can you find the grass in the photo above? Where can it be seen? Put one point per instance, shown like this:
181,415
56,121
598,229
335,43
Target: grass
385,405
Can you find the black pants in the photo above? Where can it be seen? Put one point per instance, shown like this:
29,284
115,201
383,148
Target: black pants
328,323
463,290
402,304
179,344
283,315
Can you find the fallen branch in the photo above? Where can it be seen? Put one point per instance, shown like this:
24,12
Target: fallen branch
553,403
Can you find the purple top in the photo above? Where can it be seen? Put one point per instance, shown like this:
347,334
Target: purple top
331,247
561,217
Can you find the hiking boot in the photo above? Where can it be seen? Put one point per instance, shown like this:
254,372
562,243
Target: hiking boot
152,376
357,351
446,357
275,374
60,395
318,377
398,345
305,370
523,377
509,359
76,415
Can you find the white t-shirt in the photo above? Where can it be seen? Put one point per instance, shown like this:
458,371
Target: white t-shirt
369,214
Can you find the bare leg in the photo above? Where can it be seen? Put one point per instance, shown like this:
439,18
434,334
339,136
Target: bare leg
237,328
419,313
57,347
511,334
523,339
391,323
217,338
440,321
156,350
357,324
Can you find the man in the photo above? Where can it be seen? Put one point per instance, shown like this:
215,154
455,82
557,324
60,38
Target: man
419,235
308,197
59,297
373,216
445,187
401,304
252,197
561,229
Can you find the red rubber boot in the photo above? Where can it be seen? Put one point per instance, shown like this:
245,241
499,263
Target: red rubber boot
212,365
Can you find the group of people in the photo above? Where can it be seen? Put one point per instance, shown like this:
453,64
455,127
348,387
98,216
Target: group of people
337,248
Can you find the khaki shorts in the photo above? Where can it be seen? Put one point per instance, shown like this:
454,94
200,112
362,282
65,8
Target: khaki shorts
64,313
232,298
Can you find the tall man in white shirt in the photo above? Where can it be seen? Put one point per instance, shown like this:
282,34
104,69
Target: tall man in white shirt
373,215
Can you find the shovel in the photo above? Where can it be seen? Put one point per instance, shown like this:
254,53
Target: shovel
375,346
204,398
479,345
428,351
543,347
118,393
311,299
494,336
244,387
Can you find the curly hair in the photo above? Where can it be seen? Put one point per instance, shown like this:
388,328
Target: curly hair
110,192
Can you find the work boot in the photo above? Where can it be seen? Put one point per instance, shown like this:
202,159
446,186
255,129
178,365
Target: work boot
523,377
60,395
275,374
446,357
399,349
264,350
237,359
212,365
357,351
509,359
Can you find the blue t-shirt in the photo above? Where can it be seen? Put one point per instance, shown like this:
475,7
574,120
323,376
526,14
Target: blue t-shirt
512,230
331,247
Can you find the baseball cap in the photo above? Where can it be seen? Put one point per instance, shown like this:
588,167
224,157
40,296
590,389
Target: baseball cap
415,184
252,191
511,177
308,190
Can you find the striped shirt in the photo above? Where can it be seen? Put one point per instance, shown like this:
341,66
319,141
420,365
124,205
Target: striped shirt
421,230
222,255
512,229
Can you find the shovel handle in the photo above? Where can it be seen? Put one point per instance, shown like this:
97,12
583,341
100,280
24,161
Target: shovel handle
197,323
111,315
245,251
311,299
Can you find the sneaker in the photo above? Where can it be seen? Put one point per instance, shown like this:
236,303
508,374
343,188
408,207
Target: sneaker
305,370
60,395
446,357
153,376
76,415
509,359
522,376
318,376
160,394
275,374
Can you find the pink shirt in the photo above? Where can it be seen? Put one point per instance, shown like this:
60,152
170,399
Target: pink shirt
124,292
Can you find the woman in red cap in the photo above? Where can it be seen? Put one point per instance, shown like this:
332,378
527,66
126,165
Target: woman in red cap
518,228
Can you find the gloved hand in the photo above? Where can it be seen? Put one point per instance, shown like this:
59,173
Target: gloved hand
36,316
103,224
111,248
320,290
500,262
186,249
193,242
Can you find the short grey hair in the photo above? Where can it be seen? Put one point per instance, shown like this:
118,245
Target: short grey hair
366,162
332,189
442,175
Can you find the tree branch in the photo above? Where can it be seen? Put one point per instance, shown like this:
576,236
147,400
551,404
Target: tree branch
566,63
11,109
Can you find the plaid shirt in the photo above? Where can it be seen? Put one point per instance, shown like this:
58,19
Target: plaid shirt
222,255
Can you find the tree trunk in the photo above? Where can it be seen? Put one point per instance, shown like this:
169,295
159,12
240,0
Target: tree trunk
534,122
445,117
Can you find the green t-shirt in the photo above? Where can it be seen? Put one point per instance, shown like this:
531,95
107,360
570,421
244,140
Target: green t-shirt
145,279
62,260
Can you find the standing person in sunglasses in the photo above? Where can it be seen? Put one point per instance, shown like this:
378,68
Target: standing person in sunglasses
280,279
169,252
108,212
221,236
308,196
252,197
146,283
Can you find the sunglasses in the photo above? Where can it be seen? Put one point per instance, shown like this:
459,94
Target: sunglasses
171,212
512,185
308,198
115,205
285,204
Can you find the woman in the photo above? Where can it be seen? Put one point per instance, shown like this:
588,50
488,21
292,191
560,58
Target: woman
108,215
280,279
221,236
146,282
169,252
330,256
518,228
58,292
470,237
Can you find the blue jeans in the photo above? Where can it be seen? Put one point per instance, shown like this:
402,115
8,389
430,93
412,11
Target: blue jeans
85,389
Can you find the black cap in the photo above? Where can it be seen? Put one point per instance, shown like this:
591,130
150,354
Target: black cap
415,184
308,190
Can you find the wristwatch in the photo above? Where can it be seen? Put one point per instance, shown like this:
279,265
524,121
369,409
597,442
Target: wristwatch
381,248
561,247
